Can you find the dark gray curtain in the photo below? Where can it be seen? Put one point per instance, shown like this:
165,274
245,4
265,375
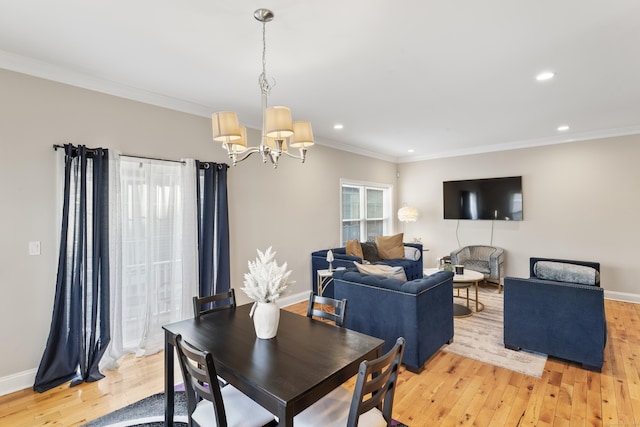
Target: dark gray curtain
79,332
213,228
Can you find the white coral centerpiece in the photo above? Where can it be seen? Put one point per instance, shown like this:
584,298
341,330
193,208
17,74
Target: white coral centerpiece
266,281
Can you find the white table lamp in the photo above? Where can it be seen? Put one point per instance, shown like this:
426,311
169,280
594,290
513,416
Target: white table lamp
330,259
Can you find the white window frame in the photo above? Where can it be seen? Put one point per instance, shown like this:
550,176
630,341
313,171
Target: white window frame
388,206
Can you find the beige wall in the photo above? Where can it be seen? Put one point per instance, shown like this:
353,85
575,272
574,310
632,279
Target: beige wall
295,209
581,201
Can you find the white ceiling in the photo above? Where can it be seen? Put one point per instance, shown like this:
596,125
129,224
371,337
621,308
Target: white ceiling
440,77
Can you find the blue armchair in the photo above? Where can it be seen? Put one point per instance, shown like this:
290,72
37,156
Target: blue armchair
550,313
419,310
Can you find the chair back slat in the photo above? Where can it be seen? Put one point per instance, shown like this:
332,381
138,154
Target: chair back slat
376,384
217,302
339,309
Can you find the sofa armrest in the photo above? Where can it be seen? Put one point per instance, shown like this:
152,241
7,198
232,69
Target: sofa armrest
460,255
419,285
496,259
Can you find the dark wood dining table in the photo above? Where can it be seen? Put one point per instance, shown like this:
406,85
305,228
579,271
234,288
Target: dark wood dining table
305,361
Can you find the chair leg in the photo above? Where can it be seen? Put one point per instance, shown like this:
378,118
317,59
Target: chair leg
499,284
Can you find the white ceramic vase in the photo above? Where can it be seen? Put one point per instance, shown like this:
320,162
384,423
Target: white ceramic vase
266,317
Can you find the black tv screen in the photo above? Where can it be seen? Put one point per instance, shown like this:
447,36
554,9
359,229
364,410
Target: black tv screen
490,198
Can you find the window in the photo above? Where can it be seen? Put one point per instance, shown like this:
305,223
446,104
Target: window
365,210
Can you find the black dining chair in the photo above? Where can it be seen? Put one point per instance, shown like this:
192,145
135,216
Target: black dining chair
210,304
337,315
207,403
371,402
217,302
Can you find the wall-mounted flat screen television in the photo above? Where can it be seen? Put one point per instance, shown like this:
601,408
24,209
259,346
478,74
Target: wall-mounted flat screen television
490,198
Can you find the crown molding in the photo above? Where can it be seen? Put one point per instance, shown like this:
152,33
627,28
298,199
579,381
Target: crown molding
355,150
47,71
516,145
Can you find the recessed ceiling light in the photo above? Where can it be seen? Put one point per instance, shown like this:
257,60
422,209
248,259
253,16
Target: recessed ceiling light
411,150
338,126
545,75
563,128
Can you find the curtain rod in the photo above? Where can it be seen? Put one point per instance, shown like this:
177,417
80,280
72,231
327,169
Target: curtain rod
56,146
153,158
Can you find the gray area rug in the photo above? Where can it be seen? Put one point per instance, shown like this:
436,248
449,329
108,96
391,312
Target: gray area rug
481,336
148,412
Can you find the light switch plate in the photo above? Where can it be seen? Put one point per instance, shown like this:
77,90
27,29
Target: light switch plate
34,248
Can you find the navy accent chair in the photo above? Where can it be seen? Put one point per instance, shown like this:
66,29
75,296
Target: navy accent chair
420,310
561,319
412,269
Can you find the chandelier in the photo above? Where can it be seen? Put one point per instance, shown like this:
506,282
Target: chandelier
279,133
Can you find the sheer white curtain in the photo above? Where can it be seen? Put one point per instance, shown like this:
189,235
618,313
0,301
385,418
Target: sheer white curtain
153,235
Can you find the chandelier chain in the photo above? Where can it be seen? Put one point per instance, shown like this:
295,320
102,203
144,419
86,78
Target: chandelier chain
265,87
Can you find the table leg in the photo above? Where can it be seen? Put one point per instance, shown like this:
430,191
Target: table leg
168,381
468,299
285,417
476,296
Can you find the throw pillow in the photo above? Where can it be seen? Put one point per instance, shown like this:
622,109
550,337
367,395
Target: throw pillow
412,253
382,270
566,272
390,247
354,248
370,252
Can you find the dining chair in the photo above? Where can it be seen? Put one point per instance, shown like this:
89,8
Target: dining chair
339,309
371,402
216,302
207,403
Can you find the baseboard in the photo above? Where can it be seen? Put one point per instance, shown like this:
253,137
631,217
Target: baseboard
293,299
622,296
16,382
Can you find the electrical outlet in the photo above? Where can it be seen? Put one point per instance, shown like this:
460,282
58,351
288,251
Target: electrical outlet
34,248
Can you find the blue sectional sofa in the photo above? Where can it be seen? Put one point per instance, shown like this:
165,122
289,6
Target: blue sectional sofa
412,268
420,310
555,312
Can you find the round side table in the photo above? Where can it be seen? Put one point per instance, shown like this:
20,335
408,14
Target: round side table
458,309
463,281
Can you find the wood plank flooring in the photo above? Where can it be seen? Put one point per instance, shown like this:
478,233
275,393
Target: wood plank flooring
451,391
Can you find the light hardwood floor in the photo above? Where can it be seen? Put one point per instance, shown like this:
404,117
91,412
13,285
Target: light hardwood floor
451,390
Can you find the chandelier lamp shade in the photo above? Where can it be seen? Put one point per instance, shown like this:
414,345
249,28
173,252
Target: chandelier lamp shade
407,214
279,132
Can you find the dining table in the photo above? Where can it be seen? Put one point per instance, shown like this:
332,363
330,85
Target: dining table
286,374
